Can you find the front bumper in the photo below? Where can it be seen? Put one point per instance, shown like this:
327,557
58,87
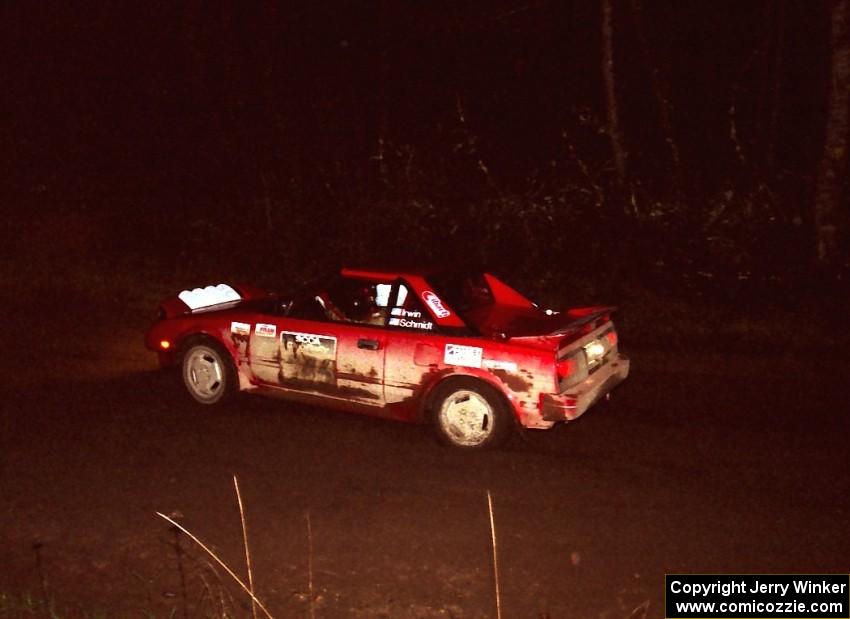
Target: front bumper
572,403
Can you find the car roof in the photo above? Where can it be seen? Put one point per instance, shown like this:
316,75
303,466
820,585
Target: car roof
421,288
382,275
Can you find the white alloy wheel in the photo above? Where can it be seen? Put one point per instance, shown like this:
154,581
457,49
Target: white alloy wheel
206,374
466,418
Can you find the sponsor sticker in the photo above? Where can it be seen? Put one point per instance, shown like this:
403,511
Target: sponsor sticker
466,356
265,330
507,366
411,324
312,344
240,328
309,339
400,311
306,358
436,305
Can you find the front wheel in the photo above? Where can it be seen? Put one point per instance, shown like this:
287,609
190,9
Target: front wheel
469,414
208,373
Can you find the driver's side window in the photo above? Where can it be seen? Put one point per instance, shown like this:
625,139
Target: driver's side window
309,308
357,301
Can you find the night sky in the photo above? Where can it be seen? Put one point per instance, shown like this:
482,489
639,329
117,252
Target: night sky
443,114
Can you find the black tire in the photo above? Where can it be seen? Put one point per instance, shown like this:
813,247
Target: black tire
208,372
469,414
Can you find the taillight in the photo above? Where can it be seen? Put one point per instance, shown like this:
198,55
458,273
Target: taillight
611,336
571,370
566,367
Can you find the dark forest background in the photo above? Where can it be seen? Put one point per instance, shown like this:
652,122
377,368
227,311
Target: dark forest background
289,137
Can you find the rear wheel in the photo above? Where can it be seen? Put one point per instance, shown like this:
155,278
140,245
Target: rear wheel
469,414
208,372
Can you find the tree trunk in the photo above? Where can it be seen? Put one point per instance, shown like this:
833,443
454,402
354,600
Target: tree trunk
616,211
194,61
834,163
776,89
611,95
383,111
662,101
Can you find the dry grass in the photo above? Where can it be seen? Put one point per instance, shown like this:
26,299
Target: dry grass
310,565
495,557
215,602
245,544
247,588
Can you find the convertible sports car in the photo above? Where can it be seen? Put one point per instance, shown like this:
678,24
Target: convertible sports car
461,351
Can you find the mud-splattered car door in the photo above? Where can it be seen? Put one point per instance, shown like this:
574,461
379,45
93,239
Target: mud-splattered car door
329,359
293,355
360,363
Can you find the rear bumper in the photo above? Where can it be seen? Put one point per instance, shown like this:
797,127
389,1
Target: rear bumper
574,402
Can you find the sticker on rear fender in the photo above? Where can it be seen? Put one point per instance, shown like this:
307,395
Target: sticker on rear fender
466,356
506,366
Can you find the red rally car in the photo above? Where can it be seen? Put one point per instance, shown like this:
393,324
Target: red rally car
461,351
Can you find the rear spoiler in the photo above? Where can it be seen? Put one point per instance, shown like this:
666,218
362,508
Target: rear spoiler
585,319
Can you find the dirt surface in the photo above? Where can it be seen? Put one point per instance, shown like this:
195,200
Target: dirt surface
702,462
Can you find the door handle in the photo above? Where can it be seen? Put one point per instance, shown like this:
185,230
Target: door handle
368,344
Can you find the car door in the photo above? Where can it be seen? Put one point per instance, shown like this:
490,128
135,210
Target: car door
336,358
360,363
